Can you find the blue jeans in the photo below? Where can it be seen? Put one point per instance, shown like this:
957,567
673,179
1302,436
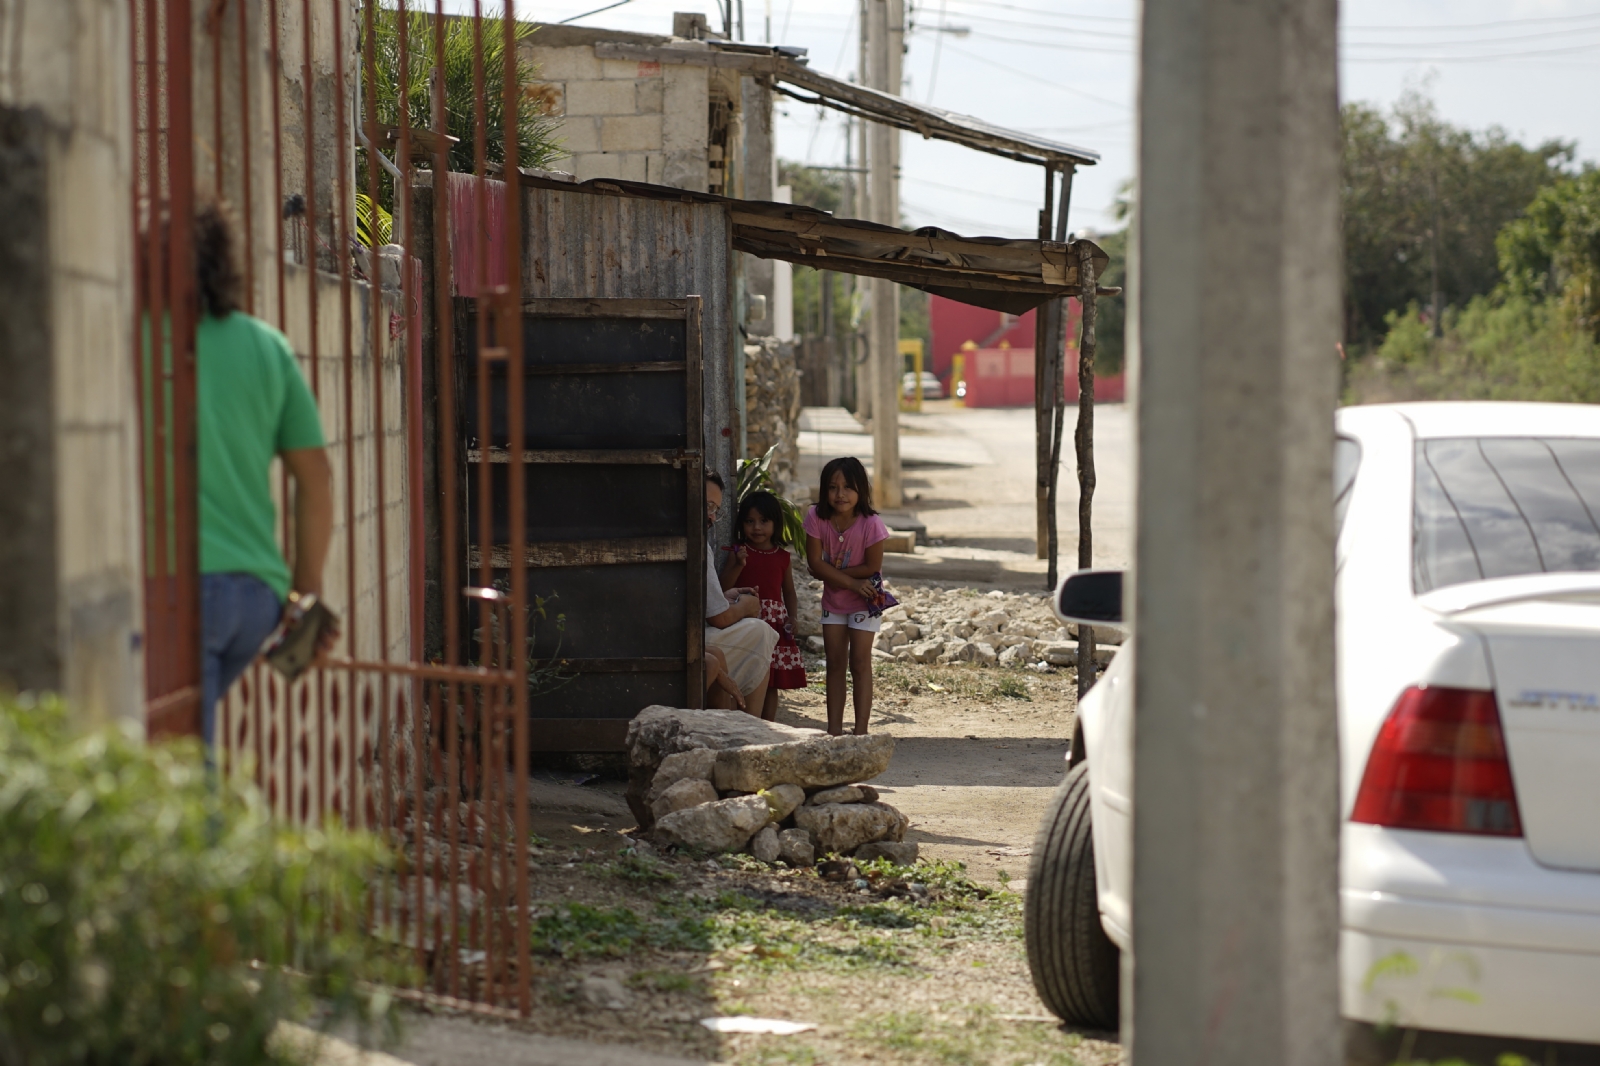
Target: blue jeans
237,614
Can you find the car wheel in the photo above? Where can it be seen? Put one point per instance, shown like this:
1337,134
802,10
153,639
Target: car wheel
1074,964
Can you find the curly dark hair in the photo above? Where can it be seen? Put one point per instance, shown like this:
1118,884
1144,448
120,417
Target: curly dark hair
216,262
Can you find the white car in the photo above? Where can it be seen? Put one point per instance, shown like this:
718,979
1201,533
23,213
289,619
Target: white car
931,389
1468,600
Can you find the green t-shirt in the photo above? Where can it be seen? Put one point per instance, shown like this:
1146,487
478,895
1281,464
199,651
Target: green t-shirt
251,403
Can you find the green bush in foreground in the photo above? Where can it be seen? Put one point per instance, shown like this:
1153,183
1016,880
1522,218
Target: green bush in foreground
151,915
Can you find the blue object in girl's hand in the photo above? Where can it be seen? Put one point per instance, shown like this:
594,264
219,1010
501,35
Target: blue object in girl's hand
881,599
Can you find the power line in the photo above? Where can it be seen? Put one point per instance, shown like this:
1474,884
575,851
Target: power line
1054,84
1545,35
1474,59
1446,27
985,193
991,5
1060,47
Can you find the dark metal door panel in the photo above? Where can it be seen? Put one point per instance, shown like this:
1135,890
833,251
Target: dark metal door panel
614,538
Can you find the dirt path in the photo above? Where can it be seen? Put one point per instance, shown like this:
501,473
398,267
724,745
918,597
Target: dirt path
973,769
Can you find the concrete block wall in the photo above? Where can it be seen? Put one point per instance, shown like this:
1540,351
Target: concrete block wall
70,572
628,119
327,374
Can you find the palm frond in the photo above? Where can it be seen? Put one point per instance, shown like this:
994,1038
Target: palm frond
755,475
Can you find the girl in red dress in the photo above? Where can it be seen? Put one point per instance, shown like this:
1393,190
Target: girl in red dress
761,561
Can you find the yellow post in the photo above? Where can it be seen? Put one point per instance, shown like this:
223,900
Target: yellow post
958,373
913,347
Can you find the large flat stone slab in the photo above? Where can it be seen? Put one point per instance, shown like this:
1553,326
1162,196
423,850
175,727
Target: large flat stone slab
659,731
815,762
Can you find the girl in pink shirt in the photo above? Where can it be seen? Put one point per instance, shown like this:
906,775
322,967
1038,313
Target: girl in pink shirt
844,549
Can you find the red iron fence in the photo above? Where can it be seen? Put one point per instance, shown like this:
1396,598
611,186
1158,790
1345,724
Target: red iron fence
274,107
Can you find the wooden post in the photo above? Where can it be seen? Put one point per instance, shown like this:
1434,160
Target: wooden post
1083,444
1052,320
1043,393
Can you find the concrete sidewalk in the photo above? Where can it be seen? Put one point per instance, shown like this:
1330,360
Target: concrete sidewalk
443,1040
969,480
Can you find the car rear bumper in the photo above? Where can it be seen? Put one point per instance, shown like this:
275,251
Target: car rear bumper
1467,935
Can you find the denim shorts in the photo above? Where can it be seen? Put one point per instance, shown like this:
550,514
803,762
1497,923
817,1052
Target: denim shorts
861,620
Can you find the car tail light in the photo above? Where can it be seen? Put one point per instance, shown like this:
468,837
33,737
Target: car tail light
1440,763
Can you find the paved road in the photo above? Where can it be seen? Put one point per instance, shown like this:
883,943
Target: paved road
969,478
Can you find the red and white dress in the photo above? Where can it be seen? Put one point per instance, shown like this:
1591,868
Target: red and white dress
764,571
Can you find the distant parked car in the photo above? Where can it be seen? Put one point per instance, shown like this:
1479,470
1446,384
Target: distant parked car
1467,584
931,389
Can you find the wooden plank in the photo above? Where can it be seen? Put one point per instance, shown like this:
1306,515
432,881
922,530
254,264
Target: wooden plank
602,457
577,734
604,307
588,552
654,366
665,665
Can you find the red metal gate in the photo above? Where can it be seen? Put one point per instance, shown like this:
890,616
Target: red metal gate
163,212
242,99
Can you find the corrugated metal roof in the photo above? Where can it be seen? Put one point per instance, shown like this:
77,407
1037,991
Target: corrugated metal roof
931,122
788,68
1000,273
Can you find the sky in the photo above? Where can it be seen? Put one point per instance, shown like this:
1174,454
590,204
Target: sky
1066,69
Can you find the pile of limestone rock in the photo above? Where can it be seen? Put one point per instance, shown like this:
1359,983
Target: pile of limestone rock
963,625
725,781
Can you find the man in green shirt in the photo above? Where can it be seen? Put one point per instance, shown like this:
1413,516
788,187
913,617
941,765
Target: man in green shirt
251,404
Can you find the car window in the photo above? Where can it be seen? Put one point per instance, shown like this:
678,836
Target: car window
1500,507
1346,458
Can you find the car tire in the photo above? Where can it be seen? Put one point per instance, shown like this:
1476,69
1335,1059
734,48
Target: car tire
1074,964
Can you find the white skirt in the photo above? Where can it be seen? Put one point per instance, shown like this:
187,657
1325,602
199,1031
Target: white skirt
747,645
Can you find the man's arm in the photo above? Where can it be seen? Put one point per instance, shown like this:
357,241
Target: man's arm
313,514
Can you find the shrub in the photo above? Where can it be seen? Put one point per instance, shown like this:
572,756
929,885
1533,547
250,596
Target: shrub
149,914
1505,347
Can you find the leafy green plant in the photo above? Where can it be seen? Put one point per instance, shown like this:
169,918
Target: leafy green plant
536,128
373,223
755,475
150,913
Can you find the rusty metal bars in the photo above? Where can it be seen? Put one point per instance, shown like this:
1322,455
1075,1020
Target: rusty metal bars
164,310
432,756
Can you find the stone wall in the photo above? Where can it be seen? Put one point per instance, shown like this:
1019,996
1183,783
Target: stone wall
70,575
772,406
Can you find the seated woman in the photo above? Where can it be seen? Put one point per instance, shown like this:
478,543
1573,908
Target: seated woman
718,681
734,627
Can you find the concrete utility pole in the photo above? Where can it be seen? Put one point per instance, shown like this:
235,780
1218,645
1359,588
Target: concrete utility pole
1236,314
885,30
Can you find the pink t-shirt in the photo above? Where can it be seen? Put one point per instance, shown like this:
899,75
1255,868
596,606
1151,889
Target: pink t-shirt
844,550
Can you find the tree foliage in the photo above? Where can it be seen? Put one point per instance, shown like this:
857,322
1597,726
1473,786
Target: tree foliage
1417,191
536,143
1553,251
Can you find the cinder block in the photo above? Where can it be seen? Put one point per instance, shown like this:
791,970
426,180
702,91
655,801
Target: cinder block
613,69
684,170
626,166
580,134
650,94
685,102
566,64
600,97
630,133
87,231
630,166
93,376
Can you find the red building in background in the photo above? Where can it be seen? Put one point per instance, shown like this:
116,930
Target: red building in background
1000,372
